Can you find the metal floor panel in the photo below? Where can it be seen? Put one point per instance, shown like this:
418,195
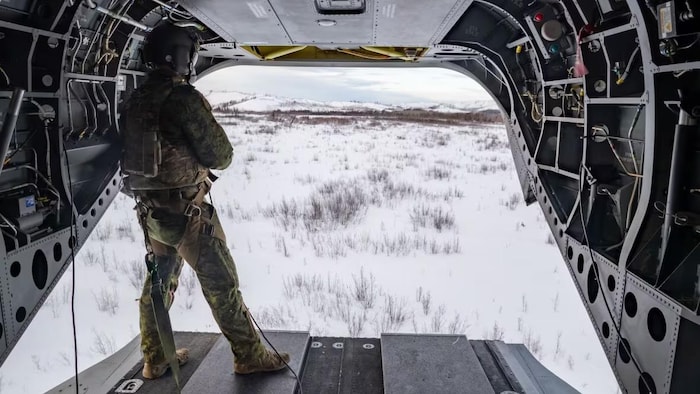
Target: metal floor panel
418,364
396,363
215,373
343,366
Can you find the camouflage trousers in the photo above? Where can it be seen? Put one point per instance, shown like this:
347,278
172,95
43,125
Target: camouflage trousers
201,242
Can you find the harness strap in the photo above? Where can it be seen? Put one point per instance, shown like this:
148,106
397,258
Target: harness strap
160,312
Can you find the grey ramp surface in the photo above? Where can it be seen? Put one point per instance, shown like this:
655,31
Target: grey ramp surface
102,376
419,364
215,373
126,364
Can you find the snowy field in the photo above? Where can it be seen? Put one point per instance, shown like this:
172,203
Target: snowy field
344,227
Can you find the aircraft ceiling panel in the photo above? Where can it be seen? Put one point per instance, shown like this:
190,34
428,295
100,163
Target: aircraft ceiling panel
249,22
411,23
305,25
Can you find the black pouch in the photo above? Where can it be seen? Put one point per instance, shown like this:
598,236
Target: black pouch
166,226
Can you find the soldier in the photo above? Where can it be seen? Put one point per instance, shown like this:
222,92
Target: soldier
171,141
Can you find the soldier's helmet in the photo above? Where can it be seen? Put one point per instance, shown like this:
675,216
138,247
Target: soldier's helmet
172,46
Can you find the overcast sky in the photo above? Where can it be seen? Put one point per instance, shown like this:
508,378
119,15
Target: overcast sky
385,85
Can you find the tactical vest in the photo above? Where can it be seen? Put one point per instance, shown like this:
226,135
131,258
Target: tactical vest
153,158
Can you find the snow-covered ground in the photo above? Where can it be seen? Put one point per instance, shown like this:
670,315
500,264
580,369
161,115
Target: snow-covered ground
352,227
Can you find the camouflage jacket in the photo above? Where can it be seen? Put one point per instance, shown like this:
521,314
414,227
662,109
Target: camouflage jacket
191,140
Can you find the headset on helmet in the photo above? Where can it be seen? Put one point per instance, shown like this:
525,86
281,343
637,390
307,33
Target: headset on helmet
172,46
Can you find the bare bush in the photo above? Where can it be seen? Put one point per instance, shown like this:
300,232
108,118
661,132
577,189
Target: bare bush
398,190
188,280
452,247
550,240
281,245
66,294
488,168
125,231
136,273
490,142
52,304
436,172
274,317
438,319
435,217
401,244
356,323
342,307
102,343
394,315
336,204
364,289
457,325
91,258
287,213
378,176
38,364
496,333
557,347
512,202
425,300
103,232
533,343
302,286
262,129
306,179
452,193
329,246
107,301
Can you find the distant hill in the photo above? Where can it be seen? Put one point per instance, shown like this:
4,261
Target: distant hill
236,103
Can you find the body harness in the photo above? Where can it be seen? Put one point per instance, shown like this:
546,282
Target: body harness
158,286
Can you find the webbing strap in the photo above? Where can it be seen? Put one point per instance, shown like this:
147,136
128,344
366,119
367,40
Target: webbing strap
165,330
160,312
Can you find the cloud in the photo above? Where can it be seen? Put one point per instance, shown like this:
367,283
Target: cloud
387,85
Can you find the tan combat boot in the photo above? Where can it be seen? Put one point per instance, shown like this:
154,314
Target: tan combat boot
151,371
269,361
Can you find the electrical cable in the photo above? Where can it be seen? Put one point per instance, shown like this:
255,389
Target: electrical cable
8,224
697,38
7,79
71,244
634,161
619,160
621,79
626,346
8,159
301,391
535,112
605,136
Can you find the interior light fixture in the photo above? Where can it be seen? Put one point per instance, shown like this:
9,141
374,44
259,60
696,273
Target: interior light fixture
326,22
